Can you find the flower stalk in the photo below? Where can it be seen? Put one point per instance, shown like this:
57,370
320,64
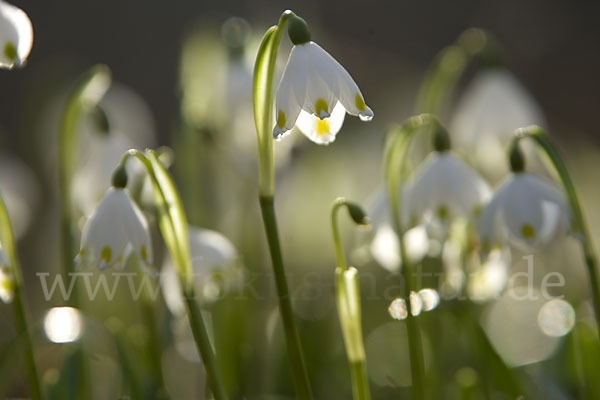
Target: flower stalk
19,303
348,303
539,136
173,227
395,170
264,71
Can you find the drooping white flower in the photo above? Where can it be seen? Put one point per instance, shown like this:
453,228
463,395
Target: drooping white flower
315,82
116,229
215,269
492,107
16,36
7,279
526,210
444,187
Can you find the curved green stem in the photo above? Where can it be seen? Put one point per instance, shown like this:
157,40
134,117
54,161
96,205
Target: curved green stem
292,338
173,225
395,170
539,136
449,66
348,303
264,72
19,303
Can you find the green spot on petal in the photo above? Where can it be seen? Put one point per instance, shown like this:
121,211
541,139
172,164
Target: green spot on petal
143,253
281,119
442,212
359,102
321,105
10,51
528,231
105,254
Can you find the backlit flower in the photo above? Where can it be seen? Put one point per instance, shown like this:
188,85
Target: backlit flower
315,82
16,36
526,210
115,229
444,187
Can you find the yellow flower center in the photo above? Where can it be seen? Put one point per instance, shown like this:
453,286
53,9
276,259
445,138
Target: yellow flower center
359,102
10,51
528,231
105,254
322,127
280,119
321,105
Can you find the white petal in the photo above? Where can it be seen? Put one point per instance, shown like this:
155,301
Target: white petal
321,89
322,131
340,82
384,248
16,33
291,92
443,187
114,229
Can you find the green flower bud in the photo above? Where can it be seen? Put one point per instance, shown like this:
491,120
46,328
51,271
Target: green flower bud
298,30
119,178
516,159
441,139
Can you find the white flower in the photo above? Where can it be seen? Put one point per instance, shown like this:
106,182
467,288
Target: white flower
322,131
444,187
16,36
115,229
215,268
526,210
7,279
315,82
493,106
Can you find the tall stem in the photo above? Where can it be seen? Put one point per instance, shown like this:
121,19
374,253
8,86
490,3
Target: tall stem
19,303
360,381
292,338
539,136
173,225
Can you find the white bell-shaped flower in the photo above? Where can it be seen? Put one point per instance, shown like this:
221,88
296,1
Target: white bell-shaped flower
315,82
444,187
115,229
526,210
215,267
16,36
493,105
7,279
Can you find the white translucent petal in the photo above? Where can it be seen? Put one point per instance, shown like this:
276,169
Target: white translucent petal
493,105
7,280
322,131
214,266
15,31
320,97
443,187
384,248
291,92
339,81
487,282
118,224
416,243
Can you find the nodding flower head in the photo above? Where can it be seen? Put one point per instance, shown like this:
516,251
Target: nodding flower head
526,210
16,36
314,82
116,229
444,187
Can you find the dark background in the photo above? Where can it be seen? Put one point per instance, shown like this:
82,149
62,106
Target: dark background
551,46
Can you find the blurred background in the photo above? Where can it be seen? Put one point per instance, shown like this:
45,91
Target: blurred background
182,78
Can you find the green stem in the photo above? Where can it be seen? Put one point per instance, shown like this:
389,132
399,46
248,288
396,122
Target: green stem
19,303
203,344
395,167
173,226
292,338
339,253
148,311
539,136
360,381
